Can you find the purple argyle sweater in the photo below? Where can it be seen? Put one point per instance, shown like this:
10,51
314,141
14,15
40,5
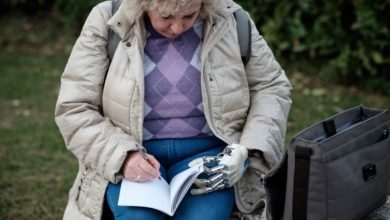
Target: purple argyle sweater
173,99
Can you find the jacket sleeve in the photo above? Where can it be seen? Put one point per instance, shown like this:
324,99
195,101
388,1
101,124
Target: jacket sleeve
270,102
89,135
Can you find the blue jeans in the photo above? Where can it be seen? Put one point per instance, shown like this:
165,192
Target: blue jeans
174,156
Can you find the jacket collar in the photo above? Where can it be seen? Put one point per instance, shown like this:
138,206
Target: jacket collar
124,20
121,24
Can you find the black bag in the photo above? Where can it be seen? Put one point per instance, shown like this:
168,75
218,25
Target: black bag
336,169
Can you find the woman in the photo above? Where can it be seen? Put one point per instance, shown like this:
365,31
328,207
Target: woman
176,87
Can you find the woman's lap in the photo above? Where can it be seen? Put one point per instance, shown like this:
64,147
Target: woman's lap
215,205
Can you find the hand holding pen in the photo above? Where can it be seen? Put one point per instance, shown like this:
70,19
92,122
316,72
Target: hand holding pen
139,166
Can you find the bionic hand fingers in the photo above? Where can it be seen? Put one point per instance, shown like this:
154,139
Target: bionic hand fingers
216,186
230,165
208,182
203,160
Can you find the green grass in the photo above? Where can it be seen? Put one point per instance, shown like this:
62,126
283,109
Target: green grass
36,171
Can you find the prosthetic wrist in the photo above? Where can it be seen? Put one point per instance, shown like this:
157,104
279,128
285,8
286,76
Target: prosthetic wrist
234,162
230,166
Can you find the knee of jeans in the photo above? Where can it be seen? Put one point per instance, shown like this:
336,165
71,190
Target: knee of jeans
139,213
216,205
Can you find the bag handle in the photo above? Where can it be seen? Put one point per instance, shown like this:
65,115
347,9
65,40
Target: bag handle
113,38
329,127
301,182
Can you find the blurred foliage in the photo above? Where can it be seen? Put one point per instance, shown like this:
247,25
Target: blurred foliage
342,40
345,40
72,13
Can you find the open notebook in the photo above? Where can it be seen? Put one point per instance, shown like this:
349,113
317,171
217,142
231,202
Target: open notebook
158,194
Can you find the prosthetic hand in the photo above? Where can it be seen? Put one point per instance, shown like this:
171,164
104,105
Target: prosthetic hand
230,165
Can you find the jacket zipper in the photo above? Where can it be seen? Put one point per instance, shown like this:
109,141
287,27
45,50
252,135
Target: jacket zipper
208,79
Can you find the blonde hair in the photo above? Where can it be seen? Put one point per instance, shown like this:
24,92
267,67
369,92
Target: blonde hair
138,7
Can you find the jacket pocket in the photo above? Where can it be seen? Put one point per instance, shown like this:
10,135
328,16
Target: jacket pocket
250,192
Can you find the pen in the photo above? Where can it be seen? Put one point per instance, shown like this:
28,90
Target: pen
142,151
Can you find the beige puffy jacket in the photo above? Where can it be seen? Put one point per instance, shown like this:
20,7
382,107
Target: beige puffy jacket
100,124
